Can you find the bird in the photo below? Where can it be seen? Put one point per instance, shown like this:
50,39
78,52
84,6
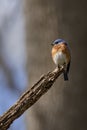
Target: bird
61,56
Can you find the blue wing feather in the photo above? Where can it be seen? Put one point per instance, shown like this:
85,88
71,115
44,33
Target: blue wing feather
66,72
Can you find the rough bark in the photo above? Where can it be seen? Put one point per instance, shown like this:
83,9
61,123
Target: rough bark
29,98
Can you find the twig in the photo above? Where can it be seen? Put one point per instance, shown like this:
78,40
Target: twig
29,98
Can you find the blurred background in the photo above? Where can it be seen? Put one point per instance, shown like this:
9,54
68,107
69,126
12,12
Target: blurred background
13,57
64,106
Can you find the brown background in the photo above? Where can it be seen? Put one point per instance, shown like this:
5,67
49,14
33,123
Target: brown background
64,107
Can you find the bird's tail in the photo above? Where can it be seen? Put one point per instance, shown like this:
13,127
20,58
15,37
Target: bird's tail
65,76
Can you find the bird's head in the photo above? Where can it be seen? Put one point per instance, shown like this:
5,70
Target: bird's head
58,41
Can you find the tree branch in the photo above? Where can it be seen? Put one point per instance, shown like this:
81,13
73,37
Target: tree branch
29,98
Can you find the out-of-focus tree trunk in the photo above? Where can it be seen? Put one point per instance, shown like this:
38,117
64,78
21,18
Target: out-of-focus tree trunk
64,107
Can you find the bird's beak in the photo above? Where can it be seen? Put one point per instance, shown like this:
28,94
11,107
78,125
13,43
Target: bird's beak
51,44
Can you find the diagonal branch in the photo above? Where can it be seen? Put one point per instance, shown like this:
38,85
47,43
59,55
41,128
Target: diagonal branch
29,98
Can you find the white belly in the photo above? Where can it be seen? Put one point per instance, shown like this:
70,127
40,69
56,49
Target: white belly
59,58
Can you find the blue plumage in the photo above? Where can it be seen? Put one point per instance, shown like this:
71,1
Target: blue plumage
58,41
66,72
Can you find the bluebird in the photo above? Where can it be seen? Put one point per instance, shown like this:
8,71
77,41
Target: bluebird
61,56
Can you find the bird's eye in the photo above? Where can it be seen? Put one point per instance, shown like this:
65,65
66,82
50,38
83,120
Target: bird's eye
56,42
65,43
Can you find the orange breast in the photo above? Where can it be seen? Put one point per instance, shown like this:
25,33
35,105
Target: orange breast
61,47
